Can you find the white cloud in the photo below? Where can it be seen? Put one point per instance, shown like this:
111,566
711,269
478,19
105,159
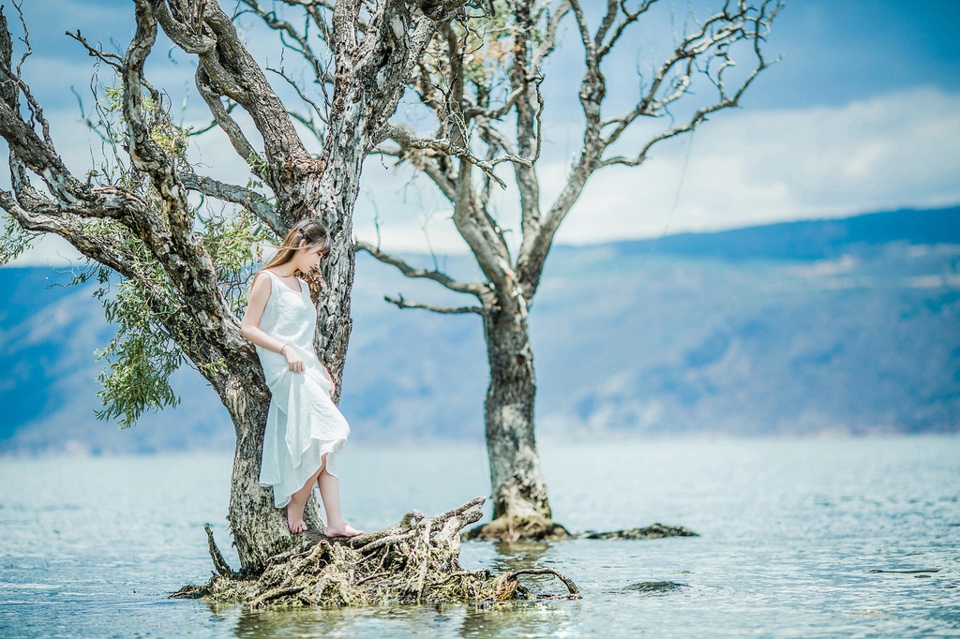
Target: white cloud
901,150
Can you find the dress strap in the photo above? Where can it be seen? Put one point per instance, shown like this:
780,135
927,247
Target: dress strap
280,281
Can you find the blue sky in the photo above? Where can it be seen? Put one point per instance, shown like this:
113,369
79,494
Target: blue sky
846,50
862,114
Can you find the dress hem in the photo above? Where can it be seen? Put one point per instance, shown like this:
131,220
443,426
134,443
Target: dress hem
328,450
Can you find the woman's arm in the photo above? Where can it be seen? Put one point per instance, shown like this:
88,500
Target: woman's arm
250,326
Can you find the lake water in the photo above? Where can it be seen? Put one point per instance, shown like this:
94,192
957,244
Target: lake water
799,538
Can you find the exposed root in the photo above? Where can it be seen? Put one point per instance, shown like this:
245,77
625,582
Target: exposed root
416,560
656,531
506,528
510,529
219,564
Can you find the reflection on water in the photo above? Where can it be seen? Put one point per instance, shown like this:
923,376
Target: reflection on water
523,619
515,555
798,538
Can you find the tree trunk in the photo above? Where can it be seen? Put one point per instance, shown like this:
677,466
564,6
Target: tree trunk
519,491
259,529
328,186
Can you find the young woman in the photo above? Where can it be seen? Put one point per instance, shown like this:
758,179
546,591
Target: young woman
304,428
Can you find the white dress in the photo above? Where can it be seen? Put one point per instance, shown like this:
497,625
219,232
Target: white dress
303,424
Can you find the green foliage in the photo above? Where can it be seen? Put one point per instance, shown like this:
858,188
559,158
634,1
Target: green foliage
143,354
234,240
142,357
151,342
14,240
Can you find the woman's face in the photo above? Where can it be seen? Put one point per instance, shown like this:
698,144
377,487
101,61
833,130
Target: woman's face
309,257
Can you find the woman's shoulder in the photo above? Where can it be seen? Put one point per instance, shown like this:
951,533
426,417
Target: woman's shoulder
263,282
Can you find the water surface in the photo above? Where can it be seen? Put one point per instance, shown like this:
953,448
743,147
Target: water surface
799,538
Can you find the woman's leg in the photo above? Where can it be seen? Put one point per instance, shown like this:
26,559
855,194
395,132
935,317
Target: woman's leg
330,494
298,502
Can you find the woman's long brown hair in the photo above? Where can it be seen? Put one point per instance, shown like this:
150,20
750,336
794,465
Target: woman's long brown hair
314,234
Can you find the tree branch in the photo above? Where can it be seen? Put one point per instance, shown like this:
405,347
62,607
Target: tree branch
449,310
221,116
733,28
405,138
718,33
549,42
247,198
227,68
303,96
713,38
303,45
474,289
111,59
630,18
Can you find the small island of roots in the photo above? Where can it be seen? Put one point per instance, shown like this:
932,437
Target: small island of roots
413,561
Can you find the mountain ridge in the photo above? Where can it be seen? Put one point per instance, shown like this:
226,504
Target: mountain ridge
852,327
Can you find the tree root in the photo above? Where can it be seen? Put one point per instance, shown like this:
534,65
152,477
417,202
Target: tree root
414,561
656,531
511,529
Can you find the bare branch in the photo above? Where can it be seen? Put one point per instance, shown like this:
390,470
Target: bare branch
732,28
111,59
589,46
302,95
449,310
221,115
303,45
630,18
227,68
710,42
716,34
613,8
14,76
405,138
549,42
249,199
231,105
474,289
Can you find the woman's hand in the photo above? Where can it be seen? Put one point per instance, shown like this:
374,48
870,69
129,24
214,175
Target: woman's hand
294,362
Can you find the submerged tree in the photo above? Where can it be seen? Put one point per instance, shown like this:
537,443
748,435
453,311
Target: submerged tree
481,82
138,219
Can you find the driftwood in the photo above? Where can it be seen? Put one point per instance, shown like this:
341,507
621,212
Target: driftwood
414,561
512,529
656,531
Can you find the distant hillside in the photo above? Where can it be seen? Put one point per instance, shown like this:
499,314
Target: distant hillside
811,240
827,326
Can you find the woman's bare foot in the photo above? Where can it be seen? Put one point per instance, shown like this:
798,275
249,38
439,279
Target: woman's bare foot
295,517
343,530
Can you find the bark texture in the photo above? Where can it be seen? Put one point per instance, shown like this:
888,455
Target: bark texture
519,489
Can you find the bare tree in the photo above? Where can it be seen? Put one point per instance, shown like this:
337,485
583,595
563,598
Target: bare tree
481,81
138,218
